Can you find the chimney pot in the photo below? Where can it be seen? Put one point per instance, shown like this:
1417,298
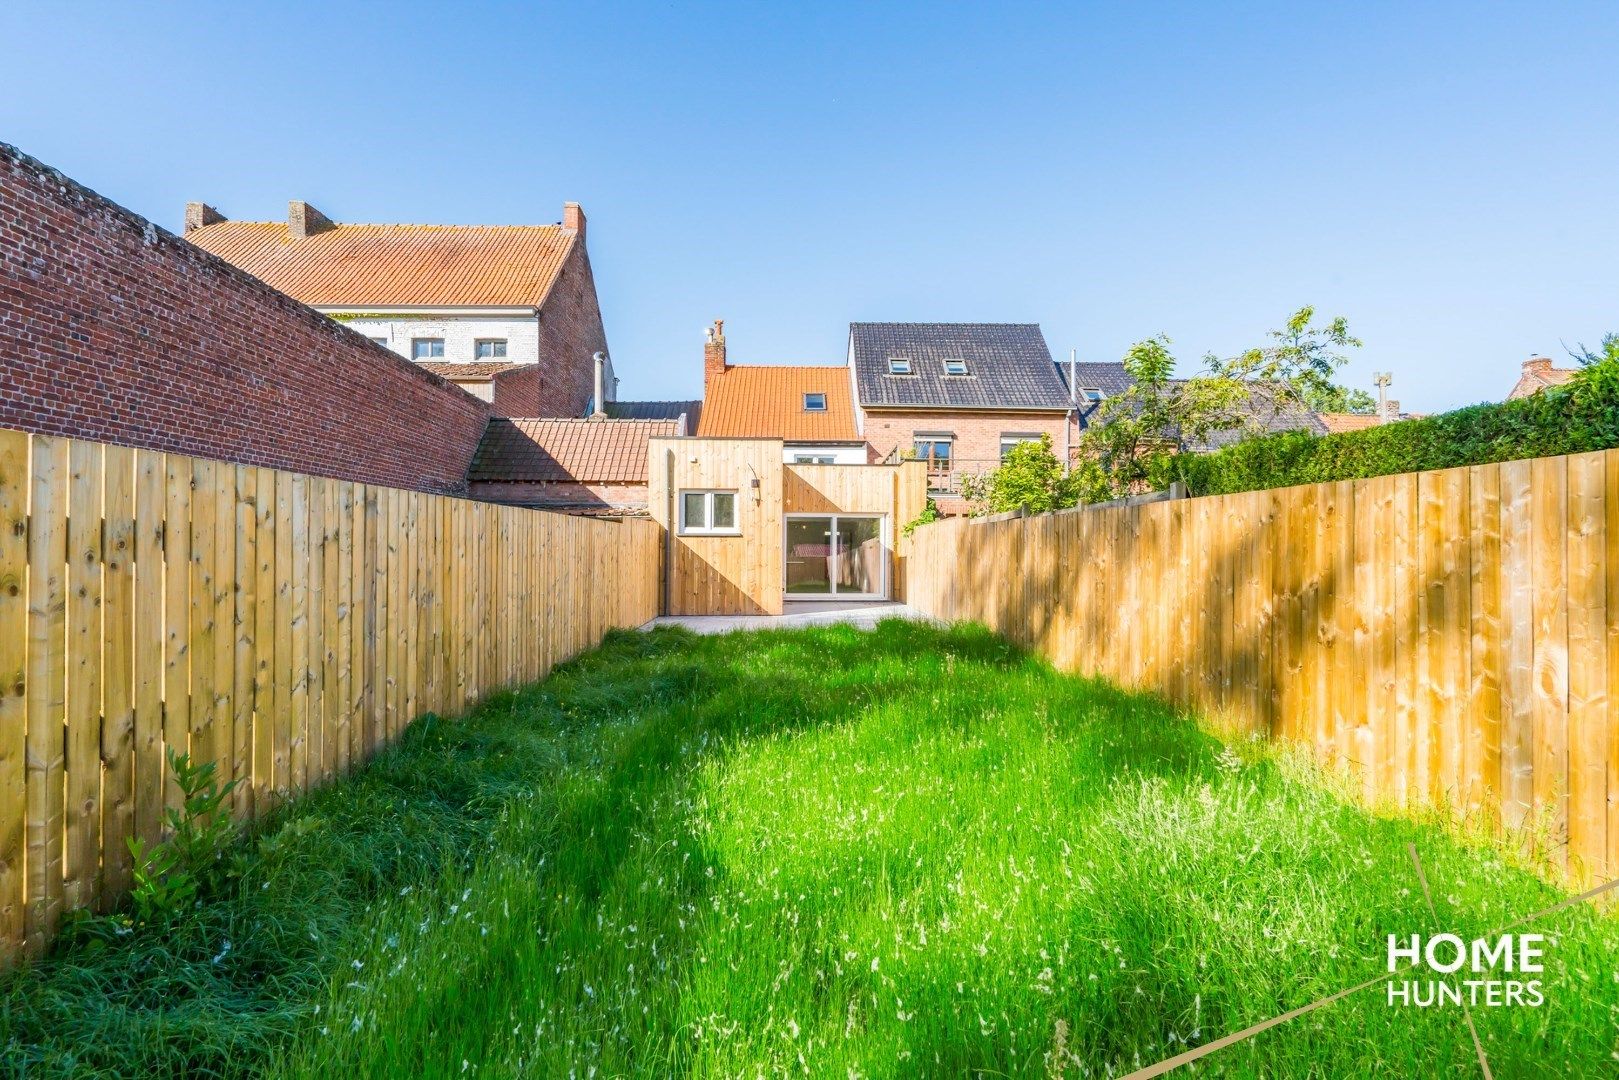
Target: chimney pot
714,362
200,214
304,220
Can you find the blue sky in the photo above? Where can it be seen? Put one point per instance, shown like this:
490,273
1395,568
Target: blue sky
1443,175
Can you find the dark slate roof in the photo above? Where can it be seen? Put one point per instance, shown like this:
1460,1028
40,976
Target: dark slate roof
1266,414
657,410
1110,378
1008,363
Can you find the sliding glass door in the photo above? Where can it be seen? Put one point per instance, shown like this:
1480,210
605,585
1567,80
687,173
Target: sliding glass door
839,555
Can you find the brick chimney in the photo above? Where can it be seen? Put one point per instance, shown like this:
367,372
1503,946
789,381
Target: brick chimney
304,220
714,353
1536,365
573,217
200,214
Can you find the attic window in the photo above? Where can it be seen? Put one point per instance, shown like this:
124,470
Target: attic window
1092,394
955,367
815,403
899,365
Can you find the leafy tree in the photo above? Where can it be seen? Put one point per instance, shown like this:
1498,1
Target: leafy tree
1299,366
1585,357
1030,477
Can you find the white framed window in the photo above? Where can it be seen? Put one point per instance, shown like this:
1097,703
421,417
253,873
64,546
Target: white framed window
956,367
814,459
381,341
814,402
1011,440
899,365
427,348
708,513
489,348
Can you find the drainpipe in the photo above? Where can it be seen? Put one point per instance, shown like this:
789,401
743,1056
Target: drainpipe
1073,414
601,405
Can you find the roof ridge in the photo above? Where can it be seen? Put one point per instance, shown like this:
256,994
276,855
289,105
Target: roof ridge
388,225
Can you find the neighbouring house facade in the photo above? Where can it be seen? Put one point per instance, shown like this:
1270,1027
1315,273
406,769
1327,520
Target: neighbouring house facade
1537,375
959,396
748,531
809,408
506,312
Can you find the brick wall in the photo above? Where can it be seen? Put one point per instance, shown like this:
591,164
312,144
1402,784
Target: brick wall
520,391
114,330
977,435
570,335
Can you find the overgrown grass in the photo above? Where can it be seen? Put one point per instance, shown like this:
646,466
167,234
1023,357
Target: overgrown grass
904,852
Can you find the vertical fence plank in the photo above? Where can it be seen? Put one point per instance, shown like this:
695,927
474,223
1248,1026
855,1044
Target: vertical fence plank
46,686
244,637
222,708
149,632
265,686
118,672
1588,732
1610,507
177,484
315,614
1483,756
333,698
202,630
82,844
1549,702
14,629
298,770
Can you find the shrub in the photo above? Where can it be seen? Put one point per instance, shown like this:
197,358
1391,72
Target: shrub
1581,416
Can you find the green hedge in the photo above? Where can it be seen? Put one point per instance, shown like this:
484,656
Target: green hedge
1582,415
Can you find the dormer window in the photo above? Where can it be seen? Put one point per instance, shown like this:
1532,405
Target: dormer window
815,403
955,367
899,365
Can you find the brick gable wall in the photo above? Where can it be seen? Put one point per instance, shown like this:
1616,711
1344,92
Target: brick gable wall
571,334
520,391
114,330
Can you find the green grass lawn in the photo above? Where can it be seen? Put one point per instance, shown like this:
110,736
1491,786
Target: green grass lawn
826,852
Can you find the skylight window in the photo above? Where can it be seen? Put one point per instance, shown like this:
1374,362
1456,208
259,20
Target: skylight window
955,367
815,403
899,365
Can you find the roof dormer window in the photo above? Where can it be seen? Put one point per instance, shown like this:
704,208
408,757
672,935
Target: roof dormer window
815,403
955,367
899,365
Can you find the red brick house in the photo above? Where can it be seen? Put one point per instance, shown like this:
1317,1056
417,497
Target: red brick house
1537,375
506,312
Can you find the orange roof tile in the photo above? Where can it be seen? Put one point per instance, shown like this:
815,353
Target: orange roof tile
586,451
397,265
766,401
1342,421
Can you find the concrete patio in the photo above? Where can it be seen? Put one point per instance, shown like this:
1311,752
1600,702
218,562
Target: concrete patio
795,614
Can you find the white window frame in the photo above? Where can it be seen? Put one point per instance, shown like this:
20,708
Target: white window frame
900,365
707,529
415,341
963,373
479,343
884,537
814,394
1010,440
814,459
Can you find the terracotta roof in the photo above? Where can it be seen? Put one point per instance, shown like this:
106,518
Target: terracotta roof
766,401
452,370
397,265
1537,375
586,451
1342,421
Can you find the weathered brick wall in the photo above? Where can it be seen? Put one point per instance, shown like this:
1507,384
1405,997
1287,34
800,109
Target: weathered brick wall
571,334
520,391
114,330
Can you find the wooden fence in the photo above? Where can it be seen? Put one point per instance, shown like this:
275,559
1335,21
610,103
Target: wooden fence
281,625
1447,637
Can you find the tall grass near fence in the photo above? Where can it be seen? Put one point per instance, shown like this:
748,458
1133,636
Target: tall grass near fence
279,625
1444,638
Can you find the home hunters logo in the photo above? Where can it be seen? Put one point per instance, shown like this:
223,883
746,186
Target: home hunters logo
1447,954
